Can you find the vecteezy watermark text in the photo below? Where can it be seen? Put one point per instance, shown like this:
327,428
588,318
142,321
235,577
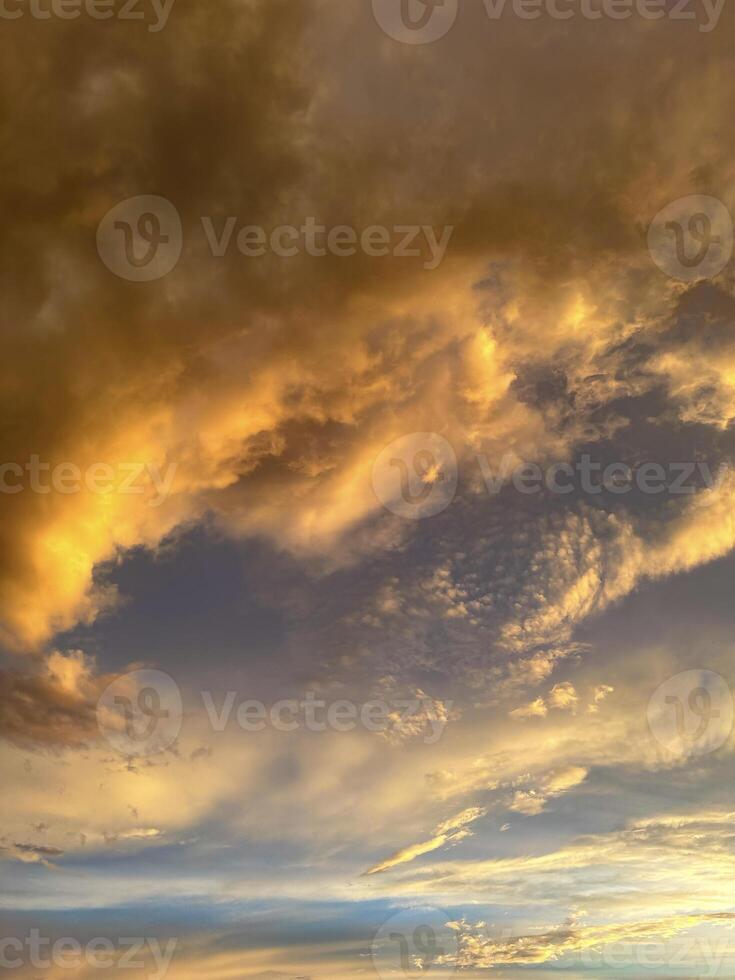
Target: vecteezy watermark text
591,477
140,713
94,9
426,941
690,952
141,239
98,478
426,21
417,476
125,953
318,240
391,717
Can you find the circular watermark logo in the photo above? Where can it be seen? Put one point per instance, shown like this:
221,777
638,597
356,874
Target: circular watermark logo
416,475
140,239
692,238
140,713
415,21
416,942
691,713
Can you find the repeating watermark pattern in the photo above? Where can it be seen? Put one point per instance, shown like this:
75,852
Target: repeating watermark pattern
101,953
154,14
692,238
691,713
426,21
141,239
65,478
707,954
397,716
141,712
592,477
484,947
417,476
416,21
415,942
317,240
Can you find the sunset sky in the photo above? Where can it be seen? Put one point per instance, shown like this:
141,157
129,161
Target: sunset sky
318,336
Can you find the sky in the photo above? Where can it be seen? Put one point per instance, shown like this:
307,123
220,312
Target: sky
367,374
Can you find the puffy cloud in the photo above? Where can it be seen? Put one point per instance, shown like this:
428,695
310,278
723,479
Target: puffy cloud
532,801
563,696
55,706
598,696
535,709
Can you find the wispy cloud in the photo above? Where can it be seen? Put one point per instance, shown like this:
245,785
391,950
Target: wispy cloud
450,831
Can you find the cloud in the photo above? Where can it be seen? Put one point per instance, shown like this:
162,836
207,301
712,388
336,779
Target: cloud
220,369
662,865
598,696
533,801
269,388
536,709
54,707
478,951
563,696
450,831
30,853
